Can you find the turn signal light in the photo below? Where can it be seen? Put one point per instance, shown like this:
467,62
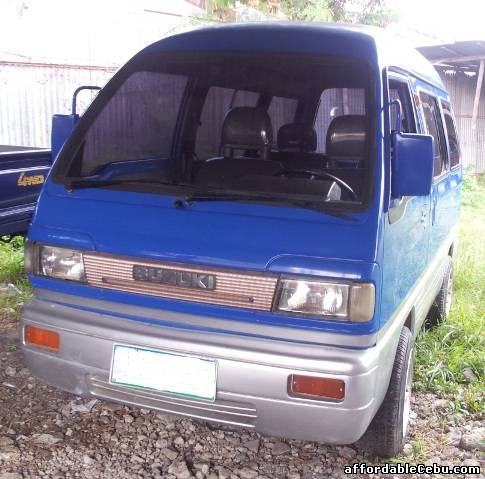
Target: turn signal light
317,388
41,337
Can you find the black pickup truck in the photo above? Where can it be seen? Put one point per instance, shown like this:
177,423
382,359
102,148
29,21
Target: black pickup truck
22,174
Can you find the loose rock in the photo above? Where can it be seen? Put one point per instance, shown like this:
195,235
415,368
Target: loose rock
247,473
280,448
180,470
169,453
253,446
474,439
469,375
46,439
9,454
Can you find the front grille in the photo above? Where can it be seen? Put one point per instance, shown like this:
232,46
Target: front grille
221,411
252,291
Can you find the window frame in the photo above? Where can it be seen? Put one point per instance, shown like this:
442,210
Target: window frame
452,115
411,109
441,130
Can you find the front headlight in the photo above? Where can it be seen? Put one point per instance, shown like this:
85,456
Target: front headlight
61,263
54,262
352,302
313,298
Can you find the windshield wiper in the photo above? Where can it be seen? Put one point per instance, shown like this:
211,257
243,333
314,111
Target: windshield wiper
222,196
319,206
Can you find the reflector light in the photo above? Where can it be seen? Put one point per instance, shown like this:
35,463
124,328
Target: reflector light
318,388
41,337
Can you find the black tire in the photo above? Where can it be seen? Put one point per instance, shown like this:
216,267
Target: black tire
442,303
386,433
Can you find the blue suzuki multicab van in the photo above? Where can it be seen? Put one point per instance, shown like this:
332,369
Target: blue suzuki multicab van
249,225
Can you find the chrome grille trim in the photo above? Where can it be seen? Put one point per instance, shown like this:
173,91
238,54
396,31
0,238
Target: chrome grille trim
251,291
221,411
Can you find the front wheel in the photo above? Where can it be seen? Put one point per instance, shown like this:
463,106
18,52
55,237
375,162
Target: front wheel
387,432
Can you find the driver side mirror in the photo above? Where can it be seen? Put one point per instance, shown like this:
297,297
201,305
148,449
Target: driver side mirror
62,125
411,162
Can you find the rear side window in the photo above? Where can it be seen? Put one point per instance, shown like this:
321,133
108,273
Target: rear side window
434,127
336,102
453,143
137,123
217,103
282,111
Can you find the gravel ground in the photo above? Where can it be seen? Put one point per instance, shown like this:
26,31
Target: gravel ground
46,433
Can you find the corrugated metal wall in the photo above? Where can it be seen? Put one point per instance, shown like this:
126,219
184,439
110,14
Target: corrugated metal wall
462,92
32,93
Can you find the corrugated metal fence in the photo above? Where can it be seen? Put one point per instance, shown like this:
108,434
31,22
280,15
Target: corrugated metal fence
32,93
462,92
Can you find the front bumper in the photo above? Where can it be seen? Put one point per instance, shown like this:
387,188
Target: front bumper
252,380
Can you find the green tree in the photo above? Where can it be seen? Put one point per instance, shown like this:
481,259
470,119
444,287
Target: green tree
371,12
309,10
220,9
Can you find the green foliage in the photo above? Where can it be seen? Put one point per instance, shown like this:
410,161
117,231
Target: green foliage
309,10
12,272
380,17
215,6
11,259
445,352
370,12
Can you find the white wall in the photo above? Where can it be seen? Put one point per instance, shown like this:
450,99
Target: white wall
88,32
50,47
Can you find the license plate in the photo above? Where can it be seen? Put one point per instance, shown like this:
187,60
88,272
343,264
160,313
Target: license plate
164,372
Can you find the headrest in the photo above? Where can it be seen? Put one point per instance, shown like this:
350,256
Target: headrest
346,136
297,136
247,128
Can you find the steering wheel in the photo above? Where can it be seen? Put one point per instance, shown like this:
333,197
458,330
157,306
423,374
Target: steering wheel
319,174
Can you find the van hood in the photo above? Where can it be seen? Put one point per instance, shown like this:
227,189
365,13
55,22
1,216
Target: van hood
215,233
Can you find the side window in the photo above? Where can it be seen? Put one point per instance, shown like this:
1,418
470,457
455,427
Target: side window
434,127
399,90
336,102
453,143
217,103
281,111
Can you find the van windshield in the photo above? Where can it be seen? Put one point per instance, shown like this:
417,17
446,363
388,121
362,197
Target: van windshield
279,126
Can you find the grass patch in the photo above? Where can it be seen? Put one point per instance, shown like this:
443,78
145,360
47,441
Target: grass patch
458,345
15,288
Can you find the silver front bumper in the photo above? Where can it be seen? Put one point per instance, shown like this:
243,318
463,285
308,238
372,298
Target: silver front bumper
252,381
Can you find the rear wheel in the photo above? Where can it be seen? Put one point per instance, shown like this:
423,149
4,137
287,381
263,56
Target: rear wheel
442,304
387,432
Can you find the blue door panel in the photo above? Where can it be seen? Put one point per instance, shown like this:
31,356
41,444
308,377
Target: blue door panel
446,189
405,250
